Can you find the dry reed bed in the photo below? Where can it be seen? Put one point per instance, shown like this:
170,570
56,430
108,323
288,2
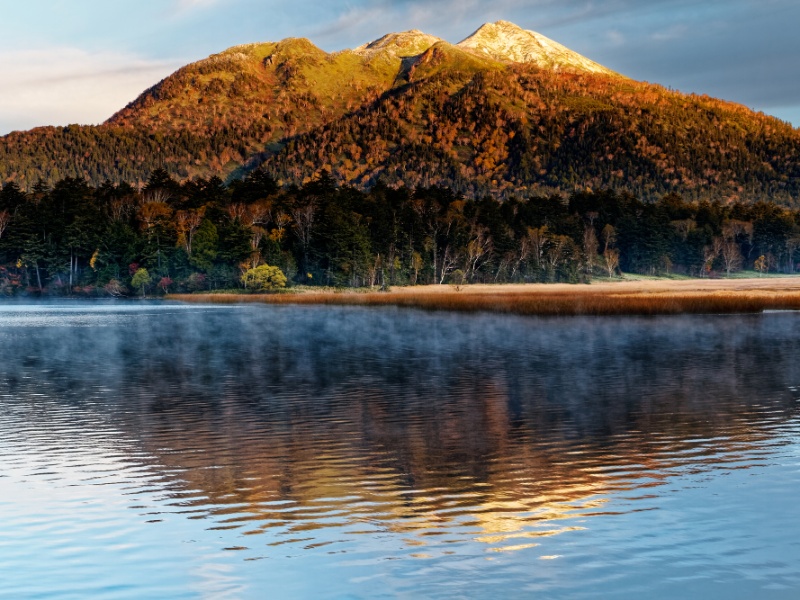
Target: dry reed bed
538,302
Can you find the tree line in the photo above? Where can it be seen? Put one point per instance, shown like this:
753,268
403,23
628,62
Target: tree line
75,238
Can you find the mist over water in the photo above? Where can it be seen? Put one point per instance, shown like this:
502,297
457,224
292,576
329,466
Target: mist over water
155,450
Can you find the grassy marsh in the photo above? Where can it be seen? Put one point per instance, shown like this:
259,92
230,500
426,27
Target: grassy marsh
660,297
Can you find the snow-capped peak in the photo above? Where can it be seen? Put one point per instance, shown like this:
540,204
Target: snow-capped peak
508,42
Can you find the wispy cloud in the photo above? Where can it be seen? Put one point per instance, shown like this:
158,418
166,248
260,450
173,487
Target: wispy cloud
59,86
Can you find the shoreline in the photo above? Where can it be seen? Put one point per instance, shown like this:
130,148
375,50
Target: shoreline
636,297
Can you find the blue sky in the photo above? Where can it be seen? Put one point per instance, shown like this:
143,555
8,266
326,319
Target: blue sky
78,61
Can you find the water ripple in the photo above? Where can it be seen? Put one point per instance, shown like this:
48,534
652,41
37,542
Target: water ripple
157,451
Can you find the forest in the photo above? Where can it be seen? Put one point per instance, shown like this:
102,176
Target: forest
202,235
452,120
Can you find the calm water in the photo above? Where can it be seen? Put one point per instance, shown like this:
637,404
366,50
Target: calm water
155,451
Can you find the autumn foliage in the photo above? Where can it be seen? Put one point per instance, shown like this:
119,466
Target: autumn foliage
444,118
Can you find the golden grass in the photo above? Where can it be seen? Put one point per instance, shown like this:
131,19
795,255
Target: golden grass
542,300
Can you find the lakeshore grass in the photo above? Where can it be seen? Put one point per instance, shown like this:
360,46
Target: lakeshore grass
626,298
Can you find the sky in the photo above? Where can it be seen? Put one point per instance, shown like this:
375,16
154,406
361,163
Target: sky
79,61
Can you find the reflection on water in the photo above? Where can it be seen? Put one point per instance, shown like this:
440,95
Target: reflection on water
170,451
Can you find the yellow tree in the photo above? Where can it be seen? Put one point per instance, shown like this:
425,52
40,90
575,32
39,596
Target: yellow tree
141,279
264,278
761,264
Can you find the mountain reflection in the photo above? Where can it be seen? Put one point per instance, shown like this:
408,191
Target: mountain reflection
290,421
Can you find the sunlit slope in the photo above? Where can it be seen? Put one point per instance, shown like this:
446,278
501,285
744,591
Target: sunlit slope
506,111
521,129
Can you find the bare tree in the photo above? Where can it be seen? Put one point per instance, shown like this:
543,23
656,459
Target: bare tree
158,195
259,213
237,212
522,254
449,262
558,250
611,261
187,222
255,243
258,235
710,254
479,250
537,238
281,220
120,208
731,256
437,225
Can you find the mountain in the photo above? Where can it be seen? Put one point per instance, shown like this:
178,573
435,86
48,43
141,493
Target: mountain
504,112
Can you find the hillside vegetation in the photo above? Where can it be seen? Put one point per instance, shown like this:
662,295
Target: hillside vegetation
410,109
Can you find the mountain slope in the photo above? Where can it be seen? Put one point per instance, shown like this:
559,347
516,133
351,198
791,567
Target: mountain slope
523,130
505,112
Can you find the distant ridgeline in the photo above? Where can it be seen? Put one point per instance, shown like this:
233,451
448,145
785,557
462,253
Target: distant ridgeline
201,235
507,113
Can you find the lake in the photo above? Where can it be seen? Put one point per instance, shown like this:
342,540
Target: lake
171,451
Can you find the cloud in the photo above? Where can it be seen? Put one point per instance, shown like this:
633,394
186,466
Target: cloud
60,86
746,53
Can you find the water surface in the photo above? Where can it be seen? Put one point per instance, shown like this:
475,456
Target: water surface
166,451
